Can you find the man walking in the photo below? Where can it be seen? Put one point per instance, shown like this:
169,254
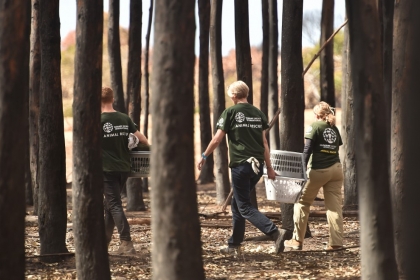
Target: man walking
116,128
245,126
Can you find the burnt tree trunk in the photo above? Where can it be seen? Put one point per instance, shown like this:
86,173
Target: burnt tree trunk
146,84
243,58
273,87
326,57
206,175
14,80
177,250
88,212
34,84
292,93
52,208
114,54
372,155
348,133
221,152
404,141
265,57
387,17
134,185
242,46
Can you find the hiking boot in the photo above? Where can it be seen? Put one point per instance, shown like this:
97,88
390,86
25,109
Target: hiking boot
333,248
293,244
279,237
233,251
126,248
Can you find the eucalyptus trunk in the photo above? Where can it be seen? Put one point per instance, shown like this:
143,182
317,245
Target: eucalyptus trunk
377,244
15,20
88,212
404,142
177,252
292,92
221,152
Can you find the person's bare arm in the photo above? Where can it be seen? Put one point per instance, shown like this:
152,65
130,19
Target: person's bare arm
215,141
270,171
141,137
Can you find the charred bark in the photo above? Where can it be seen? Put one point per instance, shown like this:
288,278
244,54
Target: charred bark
206,175
34,85
265,57
348,133
273,87
292,93
221,152
327,55
114,54
134,93
14,80
404,142
176,230
88,213
371,147
52,208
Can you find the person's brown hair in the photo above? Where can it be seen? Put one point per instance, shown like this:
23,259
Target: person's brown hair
107,95
325,112
238,88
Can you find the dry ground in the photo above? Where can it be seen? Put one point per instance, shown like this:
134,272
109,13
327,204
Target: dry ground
258,260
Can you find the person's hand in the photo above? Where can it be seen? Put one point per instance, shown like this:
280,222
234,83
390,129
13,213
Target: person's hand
201,163
271,173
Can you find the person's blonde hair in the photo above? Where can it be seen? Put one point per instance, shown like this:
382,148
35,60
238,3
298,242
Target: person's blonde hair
107,95
324,111
238,89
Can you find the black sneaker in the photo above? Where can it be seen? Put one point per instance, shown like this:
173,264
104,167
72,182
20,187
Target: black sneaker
279,237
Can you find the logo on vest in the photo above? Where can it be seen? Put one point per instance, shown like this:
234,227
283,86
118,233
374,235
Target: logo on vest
108,127
239,117
329,135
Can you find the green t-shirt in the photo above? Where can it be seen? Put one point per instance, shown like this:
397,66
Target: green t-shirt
116,127
326,141
244,125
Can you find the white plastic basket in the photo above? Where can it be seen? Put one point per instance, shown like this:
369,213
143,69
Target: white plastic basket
291,171
140,163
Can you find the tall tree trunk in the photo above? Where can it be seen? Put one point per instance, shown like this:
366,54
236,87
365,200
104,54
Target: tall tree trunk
243,58
327,54
387,17
221,152
88,212
175,226
52,210
114,54
206,175
292,93
404,142
14,80
242,46
146,84
265,57
34,84
273,87
377,244
347,151
134,185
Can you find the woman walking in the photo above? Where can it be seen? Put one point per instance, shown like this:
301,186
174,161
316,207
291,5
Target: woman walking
322,141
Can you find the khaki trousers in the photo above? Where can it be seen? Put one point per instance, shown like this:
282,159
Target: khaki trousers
331,179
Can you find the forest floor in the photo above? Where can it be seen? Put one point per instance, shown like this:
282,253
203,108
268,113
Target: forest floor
258,260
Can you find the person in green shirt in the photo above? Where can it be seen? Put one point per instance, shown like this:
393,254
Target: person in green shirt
322,141
245,127
116,128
